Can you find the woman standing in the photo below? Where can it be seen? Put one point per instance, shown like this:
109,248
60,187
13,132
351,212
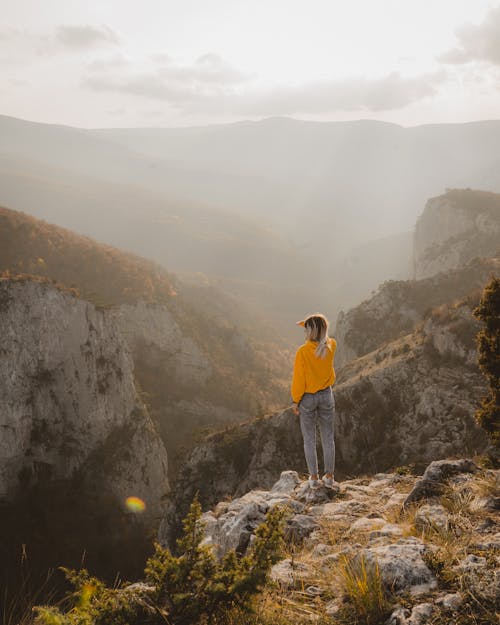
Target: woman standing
313,377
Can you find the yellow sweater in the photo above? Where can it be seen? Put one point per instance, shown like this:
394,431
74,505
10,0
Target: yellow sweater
310,373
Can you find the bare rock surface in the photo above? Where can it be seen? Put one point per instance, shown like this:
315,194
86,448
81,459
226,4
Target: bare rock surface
69,402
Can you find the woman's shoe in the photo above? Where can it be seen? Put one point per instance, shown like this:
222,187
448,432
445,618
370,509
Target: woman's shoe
314,483
328,481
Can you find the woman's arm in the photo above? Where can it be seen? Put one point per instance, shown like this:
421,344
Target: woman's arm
298,378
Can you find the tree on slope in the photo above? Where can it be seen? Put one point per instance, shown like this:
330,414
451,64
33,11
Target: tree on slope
488,341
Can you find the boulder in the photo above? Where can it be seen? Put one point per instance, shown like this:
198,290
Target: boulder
401,564
299,527
287,483
433,480
431,516
441,470
316,495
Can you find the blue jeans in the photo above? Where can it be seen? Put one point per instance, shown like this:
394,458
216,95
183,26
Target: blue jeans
313,406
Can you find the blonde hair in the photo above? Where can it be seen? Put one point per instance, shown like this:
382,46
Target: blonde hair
317,330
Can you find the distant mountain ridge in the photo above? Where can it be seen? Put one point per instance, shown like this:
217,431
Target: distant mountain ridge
277,198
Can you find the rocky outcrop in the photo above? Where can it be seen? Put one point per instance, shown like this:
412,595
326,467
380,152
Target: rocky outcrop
398,306
362,528
71,419
408,402
455,228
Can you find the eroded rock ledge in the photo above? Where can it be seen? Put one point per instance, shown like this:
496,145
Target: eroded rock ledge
431,546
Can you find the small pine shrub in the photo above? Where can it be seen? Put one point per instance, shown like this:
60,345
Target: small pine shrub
488,341
191,587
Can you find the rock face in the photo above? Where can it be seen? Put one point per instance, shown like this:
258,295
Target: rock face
153,329
455,228
182,379
70,413
66,388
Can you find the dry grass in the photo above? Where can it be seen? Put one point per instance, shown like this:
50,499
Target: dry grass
367,600
458,500
488,485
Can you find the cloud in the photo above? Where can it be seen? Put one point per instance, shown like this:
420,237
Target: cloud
477,43
113,63
353,94
207,77
212,86
80,37
18,47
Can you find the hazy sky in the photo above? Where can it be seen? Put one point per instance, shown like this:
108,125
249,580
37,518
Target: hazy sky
104,63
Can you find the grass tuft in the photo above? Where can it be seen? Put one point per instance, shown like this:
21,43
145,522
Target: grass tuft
365,594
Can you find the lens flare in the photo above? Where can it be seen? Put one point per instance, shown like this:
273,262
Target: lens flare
135,504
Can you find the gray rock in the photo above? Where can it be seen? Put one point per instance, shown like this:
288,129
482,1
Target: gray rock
314,591
332,607
289,574
365,524
433,515
432,483
389,530
451,601
320,549
488,542
299,527
441,470
69,402
399,616
287,482
400,564
419,615
316,495
471,563
424,489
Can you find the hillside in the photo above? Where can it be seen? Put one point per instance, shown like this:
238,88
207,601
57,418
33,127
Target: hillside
180,336
399,305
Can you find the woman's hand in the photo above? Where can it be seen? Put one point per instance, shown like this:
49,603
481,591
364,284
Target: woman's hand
295,408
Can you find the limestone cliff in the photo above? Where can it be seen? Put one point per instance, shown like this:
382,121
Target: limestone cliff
398,306
410,401
181,381
71,419
455,228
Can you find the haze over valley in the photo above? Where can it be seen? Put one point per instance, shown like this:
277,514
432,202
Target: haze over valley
275,198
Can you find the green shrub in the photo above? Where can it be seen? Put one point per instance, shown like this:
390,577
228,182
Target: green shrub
488,341
188,588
